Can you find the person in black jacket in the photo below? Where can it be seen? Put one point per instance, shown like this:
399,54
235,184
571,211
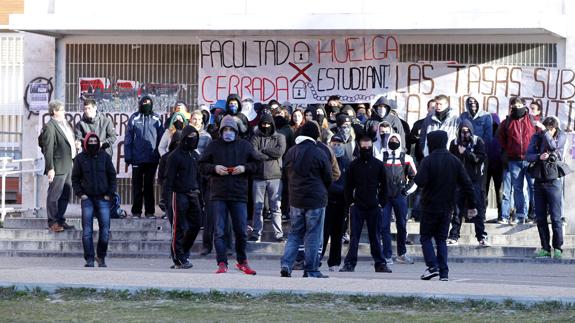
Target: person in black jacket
365,190
310,175
336,210
183,186
382,112
439,175
94,182
270,145
165,199
228,161
470,149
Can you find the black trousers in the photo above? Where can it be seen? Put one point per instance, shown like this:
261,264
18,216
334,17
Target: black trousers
333,227
143,177
186,225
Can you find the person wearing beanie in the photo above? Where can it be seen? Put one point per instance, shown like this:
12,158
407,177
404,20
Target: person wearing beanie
228,162
94,182
141,142
183,183
439,175
309,172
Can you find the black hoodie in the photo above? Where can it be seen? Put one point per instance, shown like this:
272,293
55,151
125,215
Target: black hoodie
242,120
439,175
93,175
474,156
270,148
183,174
375,119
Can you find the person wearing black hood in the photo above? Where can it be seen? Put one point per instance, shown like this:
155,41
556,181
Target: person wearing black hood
183,182
345,130
438,176
470,149
481,120
141,142
320,116
165,200
94,182
333,107
270,145
365,191
234,109
98,123
382,112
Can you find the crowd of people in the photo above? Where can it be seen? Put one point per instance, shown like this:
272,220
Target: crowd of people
327,168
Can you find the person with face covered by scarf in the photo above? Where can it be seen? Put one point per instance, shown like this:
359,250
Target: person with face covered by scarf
228,162
481,120
345,131
143,134
177,123
270,145
471,151
98,123
514,134
182,184
382,112
439,175
94,182
365,191
234,108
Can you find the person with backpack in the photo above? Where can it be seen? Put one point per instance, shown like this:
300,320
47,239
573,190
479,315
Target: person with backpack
546,148
399,173
470,149
58,146
94,182
98,123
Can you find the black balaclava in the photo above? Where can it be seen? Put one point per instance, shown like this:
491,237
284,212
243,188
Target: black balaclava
518,113
179,124
146,109
91,149
189,142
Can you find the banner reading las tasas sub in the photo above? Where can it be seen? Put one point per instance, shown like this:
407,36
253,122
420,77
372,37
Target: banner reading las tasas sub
296,70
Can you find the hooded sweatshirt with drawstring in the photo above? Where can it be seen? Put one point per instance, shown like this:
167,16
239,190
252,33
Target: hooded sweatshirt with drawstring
371,125
481,120
271,146
244,129
93,173
399,176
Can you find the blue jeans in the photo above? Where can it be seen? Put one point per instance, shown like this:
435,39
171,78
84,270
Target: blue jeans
399,205
99,208
435,225
518,173
548,198
506,195
272,187
306,229
239,216
373,219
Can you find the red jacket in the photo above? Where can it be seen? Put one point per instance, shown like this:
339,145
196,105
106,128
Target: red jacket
514,136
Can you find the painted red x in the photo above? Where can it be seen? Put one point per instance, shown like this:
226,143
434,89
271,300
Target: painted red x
300,71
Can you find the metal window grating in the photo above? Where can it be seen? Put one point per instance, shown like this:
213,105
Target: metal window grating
521,54
11,93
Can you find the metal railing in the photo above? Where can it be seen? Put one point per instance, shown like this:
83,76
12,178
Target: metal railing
7,169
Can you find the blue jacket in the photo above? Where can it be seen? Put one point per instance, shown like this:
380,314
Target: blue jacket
142,138
481,121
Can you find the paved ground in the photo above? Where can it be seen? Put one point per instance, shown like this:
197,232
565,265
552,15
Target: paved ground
521,282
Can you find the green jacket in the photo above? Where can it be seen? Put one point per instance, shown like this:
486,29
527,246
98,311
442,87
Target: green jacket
57,150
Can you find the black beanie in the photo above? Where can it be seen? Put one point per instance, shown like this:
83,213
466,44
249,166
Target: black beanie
310,129
341,119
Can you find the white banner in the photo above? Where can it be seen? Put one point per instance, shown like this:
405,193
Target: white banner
296,70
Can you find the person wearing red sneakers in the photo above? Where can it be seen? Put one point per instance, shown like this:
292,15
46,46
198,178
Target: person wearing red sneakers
228,161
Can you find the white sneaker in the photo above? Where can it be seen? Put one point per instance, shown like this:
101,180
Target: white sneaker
483,243
404,259
389,261
452,242
503,221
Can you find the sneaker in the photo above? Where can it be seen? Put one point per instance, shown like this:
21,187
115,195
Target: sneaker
314,275
542,254
452,242
56,228
382,268
245,268
255,239
389,261
483,243
347,269
409,242
186,265
298,265
137,215
519,221
503,221
222,268
334,268
444,279
429,273
150,216
89,263
101,262
280,239
345,238
557,254
66,226
284,272
404,259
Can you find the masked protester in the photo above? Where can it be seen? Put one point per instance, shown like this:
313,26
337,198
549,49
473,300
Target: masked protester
94,182
439,175
177,123
382,112
165,200
481,120
345,131
182,184
141,141
98,123
400,171
234,108
228,162
470,149
365,188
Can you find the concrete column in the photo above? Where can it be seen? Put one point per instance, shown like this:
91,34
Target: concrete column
39,60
